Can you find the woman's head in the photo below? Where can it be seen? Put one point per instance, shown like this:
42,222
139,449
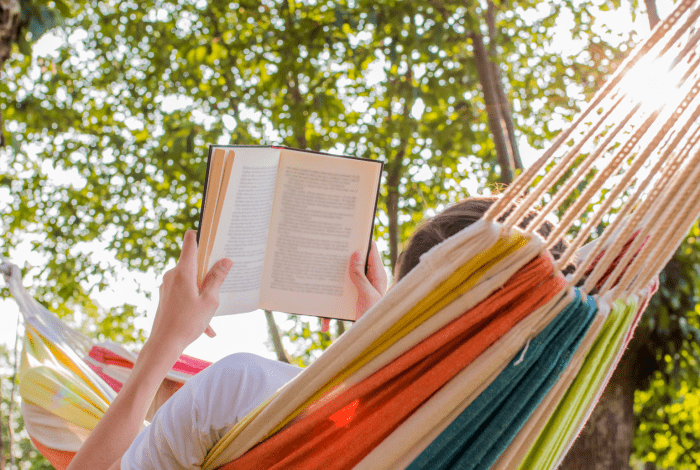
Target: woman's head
452,220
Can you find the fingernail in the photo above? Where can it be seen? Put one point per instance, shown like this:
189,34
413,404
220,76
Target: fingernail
226,264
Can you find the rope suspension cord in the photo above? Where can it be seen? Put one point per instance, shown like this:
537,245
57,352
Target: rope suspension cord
621,155
625,164
681,214
605,95
660,196
672,160
564,164
653,202
669,119
615,193
650,208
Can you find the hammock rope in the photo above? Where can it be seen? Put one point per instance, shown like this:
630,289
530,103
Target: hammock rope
607,93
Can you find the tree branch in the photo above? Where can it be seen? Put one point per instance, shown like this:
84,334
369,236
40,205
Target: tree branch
652,13
275,337
394,173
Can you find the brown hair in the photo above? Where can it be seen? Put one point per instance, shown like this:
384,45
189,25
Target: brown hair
454,219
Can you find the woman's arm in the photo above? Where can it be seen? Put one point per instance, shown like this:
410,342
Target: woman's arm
183,315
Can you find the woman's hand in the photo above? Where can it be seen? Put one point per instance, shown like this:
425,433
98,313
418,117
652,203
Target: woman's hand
184,312
370,287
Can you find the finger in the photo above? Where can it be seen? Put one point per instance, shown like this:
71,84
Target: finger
325,325
216,277
357,275
375,272
210,332
188,256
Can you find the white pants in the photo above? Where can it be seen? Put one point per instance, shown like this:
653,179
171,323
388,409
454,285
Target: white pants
199,414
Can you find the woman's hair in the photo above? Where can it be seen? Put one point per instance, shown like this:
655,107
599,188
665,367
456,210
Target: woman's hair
454,219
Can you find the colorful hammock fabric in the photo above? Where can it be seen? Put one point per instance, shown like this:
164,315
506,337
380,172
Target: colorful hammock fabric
66,381
482,431
484,355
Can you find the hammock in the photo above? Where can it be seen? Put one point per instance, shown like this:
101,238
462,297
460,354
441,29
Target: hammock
484,355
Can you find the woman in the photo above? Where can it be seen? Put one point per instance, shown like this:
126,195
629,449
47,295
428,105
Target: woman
183,314
185,428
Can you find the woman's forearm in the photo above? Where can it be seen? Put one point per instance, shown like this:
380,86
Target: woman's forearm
184,312
124,418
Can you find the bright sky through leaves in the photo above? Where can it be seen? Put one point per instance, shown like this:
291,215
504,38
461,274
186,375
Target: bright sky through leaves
248,332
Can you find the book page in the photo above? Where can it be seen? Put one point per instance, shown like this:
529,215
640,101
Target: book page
244,221
210,201
210,223
323,212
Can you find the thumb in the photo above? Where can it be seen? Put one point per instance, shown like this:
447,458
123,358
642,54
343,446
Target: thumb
357,275
216,276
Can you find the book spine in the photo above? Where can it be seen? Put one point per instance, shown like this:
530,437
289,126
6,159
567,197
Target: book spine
204,195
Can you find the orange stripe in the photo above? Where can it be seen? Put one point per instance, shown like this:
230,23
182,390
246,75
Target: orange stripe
389,396
58,458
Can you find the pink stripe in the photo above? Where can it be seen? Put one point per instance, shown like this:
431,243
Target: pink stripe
186,364
114,384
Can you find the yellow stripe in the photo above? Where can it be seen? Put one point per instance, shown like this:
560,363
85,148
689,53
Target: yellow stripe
461,281
70,365
49,378
57,394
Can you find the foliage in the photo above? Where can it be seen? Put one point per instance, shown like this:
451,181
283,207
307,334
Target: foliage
108,132
308,340
666,405
669,434
39,16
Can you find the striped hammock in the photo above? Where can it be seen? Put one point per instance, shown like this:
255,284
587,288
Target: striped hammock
485,355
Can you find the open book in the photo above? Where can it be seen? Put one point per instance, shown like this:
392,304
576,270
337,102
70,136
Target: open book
289,220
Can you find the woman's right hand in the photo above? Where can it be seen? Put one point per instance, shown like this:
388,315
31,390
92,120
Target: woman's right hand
371,287
184,312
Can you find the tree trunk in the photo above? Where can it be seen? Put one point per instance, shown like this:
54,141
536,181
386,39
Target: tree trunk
496,123
10,13
605,443
392,208
275,337
505,114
